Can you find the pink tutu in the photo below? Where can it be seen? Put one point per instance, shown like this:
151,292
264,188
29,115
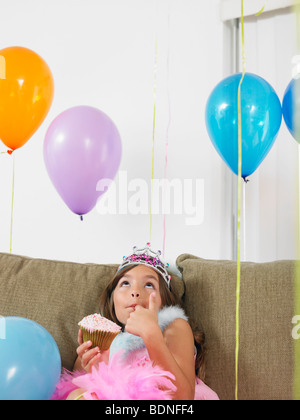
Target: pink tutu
204,393
120,380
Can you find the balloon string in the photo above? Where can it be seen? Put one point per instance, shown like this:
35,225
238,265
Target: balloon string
296,385
261,11
12,204
153,137
238,283
296,379
167,136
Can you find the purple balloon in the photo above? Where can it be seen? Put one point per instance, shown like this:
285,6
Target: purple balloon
82,147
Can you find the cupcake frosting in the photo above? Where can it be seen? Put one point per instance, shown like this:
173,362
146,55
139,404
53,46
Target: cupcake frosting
97,322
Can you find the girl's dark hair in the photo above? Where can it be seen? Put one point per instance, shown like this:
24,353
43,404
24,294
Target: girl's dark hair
169,298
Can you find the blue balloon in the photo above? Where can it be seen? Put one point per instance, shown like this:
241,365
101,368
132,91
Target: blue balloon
30,363
291,108
261,120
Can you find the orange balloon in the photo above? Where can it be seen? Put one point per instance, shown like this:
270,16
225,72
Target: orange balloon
26,94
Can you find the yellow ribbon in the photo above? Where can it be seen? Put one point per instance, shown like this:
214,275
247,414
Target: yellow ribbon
153,137
261,11
296,387
238,282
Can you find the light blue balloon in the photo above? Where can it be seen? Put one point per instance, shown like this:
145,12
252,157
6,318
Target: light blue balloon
291,108
30,362
261,120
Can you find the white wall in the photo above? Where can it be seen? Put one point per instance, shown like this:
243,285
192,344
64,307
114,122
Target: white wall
231,9
271,194
101,53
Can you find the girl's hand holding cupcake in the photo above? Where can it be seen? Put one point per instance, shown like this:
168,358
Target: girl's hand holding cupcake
96,334
87,356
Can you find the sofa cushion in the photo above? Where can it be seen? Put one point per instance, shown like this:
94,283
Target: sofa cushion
55,294
266,311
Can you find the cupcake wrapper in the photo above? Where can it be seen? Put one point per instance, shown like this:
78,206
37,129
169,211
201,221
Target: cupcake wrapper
101,339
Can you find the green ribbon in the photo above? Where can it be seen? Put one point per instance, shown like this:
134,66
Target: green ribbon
296,384
261,11
153,137
238,282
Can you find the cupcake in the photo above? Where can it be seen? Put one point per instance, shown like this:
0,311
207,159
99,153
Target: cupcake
99,330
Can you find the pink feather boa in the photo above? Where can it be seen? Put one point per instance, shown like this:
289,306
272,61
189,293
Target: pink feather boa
119,381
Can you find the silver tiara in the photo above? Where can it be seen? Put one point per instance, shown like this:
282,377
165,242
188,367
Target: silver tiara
146,256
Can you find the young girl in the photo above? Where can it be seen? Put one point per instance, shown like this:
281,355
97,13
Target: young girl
157,340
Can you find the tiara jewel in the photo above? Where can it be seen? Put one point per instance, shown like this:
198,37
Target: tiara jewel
145,256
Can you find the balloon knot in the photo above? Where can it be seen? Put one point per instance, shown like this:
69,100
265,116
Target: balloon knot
10,152
81,218
246,180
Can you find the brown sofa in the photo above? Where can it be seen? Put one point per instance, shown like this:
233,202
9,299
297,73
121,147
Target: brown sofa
58,294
